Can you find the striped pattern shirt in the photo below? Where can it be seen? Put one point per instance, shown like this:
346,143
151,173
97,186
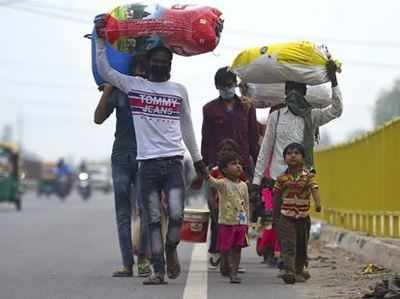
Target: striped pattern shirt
295,193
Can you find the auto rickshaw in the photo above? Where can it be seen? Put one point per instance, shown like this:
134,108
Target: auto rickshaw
10,188
48,178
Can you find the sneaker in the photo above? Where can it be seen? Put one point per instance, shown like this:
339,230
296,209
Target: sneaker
241,270
144,269
154,279
124,272
235,279
173,266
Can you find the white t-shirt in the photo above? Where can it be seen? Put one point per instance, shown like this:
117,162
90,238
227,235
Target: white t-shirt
283,128
160,111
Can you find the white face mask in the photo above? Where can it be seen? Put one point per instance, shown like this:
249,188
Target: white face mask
227,93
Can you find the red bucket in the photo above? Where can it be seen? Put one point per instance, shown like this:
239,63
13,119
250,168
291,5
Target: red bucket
195,225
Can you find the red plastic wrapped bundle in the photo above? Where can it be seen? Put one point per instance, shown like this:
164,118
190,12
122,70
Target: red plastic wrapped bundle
187,30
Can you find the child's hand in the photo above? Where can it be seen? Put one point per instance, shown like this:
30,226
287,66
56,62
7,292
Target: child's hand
318,208
197,183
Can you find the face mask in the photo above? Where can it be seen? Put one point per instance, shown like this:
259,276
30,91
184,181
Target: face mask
161,72
227,93
297,103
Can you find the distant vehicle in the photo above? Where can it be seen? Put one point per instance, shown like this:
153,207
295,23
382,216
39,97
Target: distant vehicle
10,187
64,179
48,179
100,176
63,186
84,185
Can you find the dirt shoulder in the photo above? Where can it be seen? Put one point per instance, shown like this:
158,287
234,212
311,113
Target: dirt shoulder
336,273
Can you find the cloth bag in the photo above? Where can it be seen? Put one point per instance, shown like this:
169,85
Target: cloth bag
301,61
268,95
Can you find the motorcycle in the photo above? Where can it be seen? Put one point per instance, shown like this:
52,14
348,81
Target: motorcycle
63,186
84,186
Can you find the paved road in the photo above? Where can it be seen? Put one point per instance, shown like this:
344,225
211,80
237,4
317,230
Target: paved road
61,250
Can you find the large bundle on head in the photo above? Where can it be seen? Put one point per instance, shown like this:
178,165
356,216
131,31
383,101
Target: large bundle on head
132,44
301,61
268,95
186,29
133,29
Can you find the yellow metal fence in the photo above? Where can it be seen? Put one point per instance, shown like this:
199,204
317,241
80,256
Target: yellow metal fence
360,182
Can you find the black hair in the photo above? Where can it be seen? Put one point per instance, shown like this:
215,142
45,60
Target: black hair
228,142
300,87
294,146
223,75
225,157
166,50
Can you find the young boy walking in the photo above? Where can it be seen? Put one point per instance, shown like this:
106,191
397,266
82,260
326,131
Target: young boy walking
292,192
233,212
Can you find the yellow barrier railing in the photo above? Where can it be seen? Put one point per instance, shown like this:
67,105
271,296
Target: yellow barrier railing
376,223
360,182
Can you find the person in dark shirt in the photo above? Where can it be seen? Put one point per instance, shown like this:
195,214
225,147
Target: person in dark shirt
228,117
124,175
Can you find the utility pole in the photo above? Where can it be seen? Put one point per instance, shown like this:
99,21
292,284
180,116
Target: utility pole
20,129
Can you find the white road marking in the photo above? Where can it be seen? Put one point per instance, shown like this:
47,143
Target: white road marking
196,283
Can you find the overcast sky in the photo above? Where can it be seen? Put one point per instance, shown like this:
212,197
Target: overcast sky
47,86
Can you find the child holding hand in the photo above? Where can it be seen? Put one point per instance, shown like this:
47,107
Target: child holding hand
233,218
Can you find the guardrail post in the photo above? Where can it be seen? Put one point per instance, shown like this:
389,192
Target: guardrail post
391,225
374,225
398,224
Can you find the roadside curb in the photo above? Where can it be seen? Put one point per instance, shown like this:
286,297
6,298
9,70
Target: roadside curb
374,250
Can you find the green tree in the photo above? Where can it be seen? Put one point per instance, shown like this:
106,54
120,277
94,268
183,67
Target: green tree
7,134
387,106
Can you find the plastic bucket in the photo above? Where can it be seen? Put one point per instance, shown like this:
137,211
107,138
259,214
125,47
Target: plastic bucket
195,225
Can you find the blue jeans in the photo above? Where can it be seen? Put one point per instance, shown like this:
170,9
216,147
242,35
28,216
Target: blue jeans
124,175
165,175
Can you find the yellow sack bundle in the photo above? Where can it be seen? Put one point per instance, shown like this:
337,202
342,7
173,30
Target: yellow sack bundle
301,61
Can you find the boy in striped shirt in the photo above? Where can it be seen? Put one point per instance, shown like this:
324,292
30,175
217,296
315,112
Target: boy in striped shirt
292,193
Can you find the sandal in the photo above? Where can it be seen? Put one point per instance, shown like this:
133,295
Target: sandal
288,278
306,274
235,279
124,272
173,266
154,279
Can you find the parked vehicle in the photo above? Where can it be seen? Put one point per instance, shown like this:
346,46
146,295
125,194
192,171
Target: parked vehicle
100,177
